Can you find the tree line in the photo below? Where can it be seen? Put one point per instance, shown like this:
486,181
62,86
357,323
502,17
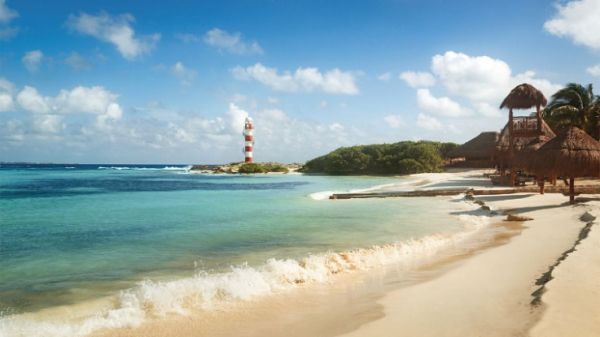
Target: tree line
405,157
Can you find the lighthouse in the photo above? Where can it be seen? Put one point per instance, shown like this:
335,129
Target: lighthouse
248,139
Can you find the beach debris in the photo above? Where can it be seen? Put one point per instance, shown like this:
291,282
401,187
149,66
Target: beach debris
512,217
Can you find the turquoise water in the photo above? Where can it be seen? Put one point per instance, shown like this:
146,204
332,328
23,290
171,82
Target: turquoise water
72,234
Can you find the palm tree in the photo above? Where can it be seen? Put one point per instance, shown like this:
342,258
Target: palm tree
574,105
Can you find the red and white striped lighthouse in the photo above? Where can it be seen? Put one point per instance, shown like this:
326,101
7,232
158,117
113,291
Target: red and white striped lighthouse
248,139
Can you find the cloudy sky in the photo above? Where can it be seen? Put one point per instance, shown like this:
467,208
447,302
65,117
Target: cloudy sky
171,82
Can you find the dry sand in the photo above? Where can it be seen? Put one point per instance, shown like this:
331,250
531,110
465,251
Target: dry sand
490,294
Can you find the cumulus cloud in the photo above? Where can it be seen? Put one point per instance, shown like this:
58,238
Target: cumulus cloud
478,78
428,122
333,81
482,78
442,106
183,73
229,42
394,121
48,123
6,102
87,100
594,70
237,117
578,20
418,79
30,100
32,60
114,29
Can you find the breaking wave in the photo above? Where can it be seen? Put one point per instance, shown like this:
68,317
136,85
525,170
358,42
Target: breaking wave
165,168
206,291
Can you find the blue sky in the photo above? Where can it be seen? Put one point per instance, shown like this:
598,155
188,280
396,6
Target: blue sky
171,82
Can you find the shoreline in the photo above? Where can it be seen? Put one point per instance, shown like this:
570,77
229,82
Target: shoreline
481,285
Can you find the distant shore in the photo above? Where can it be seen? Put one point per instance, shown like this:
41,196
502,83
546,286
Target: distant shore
235,168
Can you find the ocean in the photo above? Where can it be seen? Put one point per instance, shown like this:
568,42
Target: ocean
159,239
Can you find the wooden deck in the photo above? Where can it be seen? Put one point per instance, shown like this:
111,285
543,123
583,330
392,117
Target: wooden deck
584,189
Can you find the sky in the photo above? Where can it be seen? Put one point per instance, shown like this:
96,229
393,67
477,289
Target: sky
172,82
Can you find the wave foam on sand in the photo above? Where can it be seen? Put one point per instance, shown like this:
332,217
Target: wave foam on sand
205,291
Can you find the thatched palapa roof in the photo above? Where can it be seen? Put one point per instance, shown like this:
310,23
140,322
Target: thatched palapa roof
524,143
481,147
524,96
573,153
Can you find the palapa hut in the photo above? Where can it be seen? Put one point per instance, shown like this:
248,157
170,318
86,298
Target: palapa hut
523,146
571,154
477,152
522,133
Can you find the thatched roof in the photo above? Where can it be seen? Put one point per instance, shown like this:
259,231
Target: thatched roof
524,96
573,153
524,143
481,147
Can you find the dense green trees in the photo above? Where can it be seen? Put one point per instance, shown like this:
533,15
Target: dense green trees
574,105
398,158
262,168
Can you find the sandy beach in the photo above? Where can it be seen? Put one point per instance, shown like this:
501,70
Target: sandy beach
484,290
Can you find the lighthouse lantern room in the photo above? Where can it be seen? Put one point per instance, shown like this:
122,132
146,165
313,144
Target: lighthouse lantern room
248,139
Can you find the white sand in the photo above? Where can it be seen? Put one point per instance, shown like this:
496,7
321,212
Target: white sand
572,298
489,294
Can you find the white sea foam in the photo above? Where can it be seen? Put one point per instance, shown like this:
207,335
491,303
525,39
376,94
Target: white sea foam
125,168
206,291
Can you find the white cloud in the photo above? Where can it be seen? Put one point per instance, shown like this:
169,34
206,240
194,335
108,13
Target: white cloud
237,116
6,102
32,60
77,62
394,121
385,77
428,122
6,85
30,100
230,42
479,78
48,123
333,81
185,74
442,106
482,78
578,20
418,79
79,100
93,100
6,14
487,109
116,30
594,70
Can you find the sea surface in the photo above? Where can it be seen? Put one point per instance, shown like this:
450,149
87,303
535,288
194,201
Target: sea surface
161,237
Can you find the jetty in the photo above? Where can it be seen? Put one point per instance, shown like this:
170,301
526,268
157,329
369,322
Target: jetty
586,189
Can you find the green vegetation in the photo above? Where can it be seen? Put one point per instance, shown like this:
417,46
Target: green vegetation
398,158
262,168
574,105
